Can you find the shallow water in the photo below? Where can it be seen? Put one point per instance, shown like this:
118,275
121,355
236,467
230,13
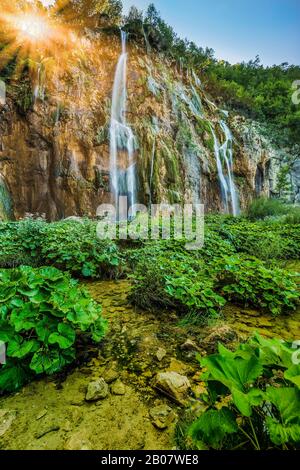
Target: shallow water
51,413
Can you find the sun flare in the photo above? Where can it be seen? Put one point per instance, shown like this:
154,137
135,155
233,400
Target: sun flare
32,27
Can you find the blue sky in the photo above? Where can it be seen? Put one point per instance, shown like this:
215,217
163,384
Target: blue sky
236,29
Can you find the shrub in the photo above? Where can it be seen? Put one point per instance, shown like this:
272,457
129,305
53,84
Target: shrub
42,311
252,398
20,243
74,246
293,217
264,207
248,281
68,245
264,240
173,282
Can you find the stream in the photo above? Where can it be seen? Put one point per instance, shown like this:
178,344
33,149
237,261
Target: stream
52,413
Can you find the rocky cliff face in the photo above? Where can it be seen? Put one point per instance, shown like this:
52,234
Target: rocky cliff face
54,158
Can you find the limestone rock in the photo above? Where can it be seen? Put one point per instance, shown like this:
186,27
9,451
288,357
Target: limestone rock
223,334
160,354
97,390
118,388
174,385
110,373
78,442
162,416
190,345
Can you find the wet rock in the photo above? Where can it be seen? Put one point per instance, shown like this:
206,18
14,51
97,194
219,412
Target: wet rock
110,374
160,354
118,388
162,416
223,334
6,419
97,390
190,345
174,385
78,442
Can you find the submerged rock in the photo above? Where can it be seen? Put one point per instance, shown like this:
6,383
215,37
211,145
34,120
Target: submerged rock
174,385
111,374
160,354
97,390
6,419
118,388
162,416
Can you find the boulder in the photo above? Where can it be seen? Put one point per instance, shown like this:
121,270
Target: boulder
97,390
172,384
118,388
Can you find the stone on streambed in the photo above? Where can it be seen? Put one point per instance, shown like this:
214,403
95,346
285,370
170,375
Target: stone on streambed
172,384
6,419
162,416
160,354
97,390
118,388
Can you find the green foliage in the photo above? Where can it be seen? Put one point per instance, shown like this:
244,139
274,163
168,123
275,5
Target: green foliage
248,281
74,246
172,280
263,93
264,207
42,311
69,245
252,400
293,216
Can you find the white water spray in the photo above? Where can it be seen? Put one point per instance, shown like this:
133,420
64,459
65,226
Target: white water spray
224,153
122,140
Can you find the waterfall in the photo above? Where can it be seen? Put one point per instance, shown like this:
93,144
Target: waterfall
39,88
224,153
122,140
228,157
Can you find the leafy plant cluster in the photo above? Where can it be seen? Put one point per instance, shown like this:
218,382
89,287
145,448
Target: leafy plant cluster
268,239
42,312
252,398
201,283
68,245
250,282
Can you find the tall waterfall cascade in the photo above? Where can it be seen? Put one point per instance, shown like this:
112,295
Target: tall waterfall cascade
122,140
224,160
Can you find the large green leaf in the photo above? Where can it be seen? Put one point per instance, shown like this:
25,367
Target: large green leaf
49,361
65,336
20,348
293,374
213,426
287,402
245,401
234,370
13,375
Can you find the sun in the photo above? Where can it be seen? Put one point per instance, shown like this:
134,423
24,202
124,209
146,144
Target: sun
32,27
